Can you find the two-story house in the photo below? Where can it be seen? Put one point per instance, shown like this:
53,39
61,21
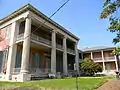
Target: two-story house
104,56
32,45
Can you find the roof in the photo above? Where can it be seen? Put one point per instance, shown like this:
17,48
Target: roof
97,48
36,11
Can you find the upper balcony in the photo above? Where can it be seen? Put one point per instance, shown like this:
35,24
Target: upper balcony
34,37
106,59
110,58
59,46
44,41
98,59
71,51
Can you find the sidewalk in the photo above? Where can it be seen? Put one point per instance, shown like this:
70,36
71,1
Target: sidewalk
111,85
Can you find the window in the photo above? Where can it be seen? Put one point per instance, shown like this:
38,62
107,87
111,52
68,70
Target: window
18,59
36,60
8,32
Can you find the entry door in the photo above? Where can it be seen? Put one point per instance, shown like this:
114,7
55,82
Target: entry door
108,67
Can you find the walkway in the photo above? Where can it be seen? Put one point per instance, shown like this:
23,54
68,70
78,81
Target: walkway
111,85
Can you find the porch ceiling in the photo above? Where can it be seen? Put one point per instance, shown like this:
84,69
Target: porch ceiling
39,47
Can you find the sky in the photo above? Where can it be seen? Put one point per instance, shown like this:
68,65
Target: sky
81,17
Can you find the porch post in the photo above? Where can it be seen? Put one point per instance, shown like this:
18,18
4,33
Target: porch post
76,57
12,50
26,46
103,61
116,63
53,52
91,55
65,66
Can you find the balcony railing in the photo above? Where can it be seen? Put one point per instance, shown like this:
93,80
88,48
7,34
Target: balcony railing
97,59
36,38
40,39
70,51
109,58
59,46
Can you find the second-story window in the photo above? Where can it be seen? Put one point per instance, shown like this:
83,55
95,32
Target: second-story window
7,32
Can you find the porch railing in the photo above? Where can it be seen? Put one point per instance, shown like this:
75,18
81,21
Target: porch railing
36,38
97,59
59,46
20,37
39,71
40,39
33,71
109,58
70,51
16,70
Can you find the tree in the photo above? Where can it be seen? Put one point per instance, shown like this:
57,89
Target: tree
89,66
111,11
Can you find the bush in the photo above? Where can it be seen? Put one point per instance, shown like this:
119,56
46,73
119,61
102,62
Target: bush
87,65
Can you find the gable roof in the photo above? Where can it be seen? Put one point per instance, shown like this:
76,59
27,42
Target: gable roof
36,11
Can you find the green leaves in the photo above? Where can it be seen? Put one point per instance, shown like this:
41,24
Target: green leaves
88,65
116,50
110,10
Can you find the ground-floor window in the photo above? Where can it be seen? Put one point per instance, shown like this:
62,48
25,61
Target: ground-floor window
18,59
36,60
48,64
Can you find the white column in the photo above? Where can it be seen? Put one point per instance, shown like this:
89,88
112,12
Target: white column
12,50
91,55
103,61
53,52
116,63
76,57
26,47
65,66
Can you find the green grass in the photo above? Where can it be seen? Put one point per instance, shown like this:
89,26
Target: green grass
85,83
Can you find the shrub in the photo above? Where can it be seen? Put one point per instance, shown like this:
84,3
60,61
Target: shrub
89,66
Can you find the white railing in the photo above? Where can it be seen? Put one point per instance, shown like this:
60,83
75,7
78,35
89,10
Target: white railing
109,58
35,37
70,51
97,59
59,46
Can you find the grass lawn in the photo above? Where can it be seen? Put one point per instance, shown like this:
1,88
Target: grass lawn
85,83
